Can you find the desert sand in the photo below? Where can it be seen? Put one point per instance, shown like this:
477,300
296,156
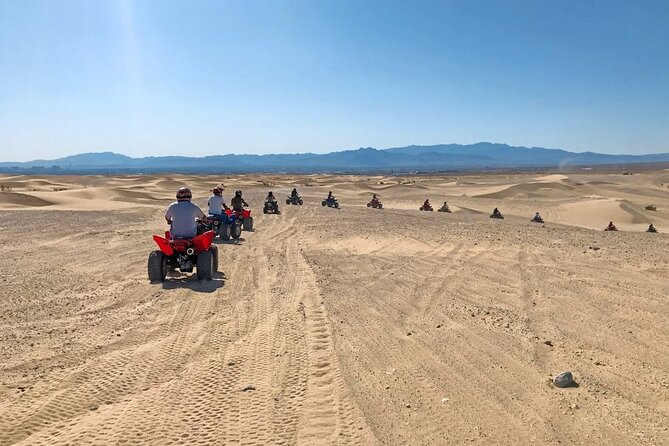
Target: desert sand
350,326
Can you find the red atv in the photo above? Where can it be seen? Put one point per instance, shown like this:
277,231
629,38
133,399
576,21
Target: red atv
183,254
243,216
375,203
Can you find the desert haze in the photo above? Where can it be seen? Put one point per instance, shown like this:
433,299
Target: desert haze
349,326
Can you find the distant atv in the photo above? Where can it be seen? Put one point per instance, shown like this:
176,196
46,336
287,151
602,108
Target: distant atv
330,202
536,219
444,208
295,200
428,208
271,207
183,254
375,203
497,216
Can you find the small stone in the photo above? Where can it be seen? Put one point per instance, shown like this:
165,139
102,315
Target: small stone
548,343
408,333
564,379
408,406
248,388
438,325
444,400
574,406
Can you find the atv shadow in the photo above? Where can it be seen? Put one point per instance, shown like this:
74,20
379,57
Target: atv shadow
230,242
178,280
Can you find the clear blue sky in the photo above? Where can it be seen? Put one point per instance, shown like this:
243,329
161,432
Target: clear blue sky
159,77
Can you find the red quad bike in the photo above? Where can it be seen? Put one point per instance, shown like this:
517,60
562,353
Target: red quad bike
183,254
239,220
375,203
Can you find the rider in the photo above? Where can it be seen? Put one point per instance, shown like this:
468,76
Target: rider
216,202
537,217
611,227
651,228
445,206
182,215
374,198
496,212
330,197
270,198
294,193
427,204
238,202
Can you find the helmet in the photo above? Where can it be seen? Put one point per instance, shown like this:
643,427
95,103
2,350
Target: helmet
270,193
238,193
218,190
184,194
330,192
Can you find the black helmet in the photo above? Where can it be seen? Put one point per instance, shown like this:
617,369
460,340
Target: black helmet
184,194
238,193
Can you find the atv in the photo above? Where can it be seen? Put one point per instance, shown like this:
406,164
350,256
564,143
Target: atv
271,207
375,203
330,202
498,216
243,219
218,223
294,199
183,254
428,208
444,208
537,220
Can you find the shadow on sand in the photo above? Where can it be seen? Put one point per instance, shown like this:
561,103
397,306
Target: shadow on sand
178,280
229,242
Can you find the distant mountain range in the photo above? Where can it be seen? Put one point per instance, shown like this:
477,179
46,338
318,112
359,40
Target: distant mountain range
442,157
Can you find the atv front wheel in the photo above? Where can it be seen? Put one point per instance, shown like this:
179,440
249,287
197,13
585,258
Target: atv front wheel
205,264
157,267
323,203
336,205
300,202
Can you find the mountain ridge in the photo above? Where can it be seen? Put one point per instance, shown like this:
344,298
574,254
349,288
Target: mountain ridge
424,158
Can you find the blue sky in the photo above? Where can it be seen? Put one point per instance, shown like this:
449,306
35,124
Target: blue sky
162,77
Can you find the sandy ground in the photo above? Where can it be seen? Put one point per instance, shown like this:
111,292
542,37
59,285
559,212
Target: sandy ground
355,326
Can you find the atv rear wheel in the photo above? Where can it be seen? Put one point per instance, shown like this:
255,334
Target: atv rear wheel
214,255
248,223
224,231
300,202
236,231
205,264
157,267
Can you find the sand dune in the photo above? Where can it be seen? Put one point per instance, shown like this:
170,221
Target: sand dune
352,327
